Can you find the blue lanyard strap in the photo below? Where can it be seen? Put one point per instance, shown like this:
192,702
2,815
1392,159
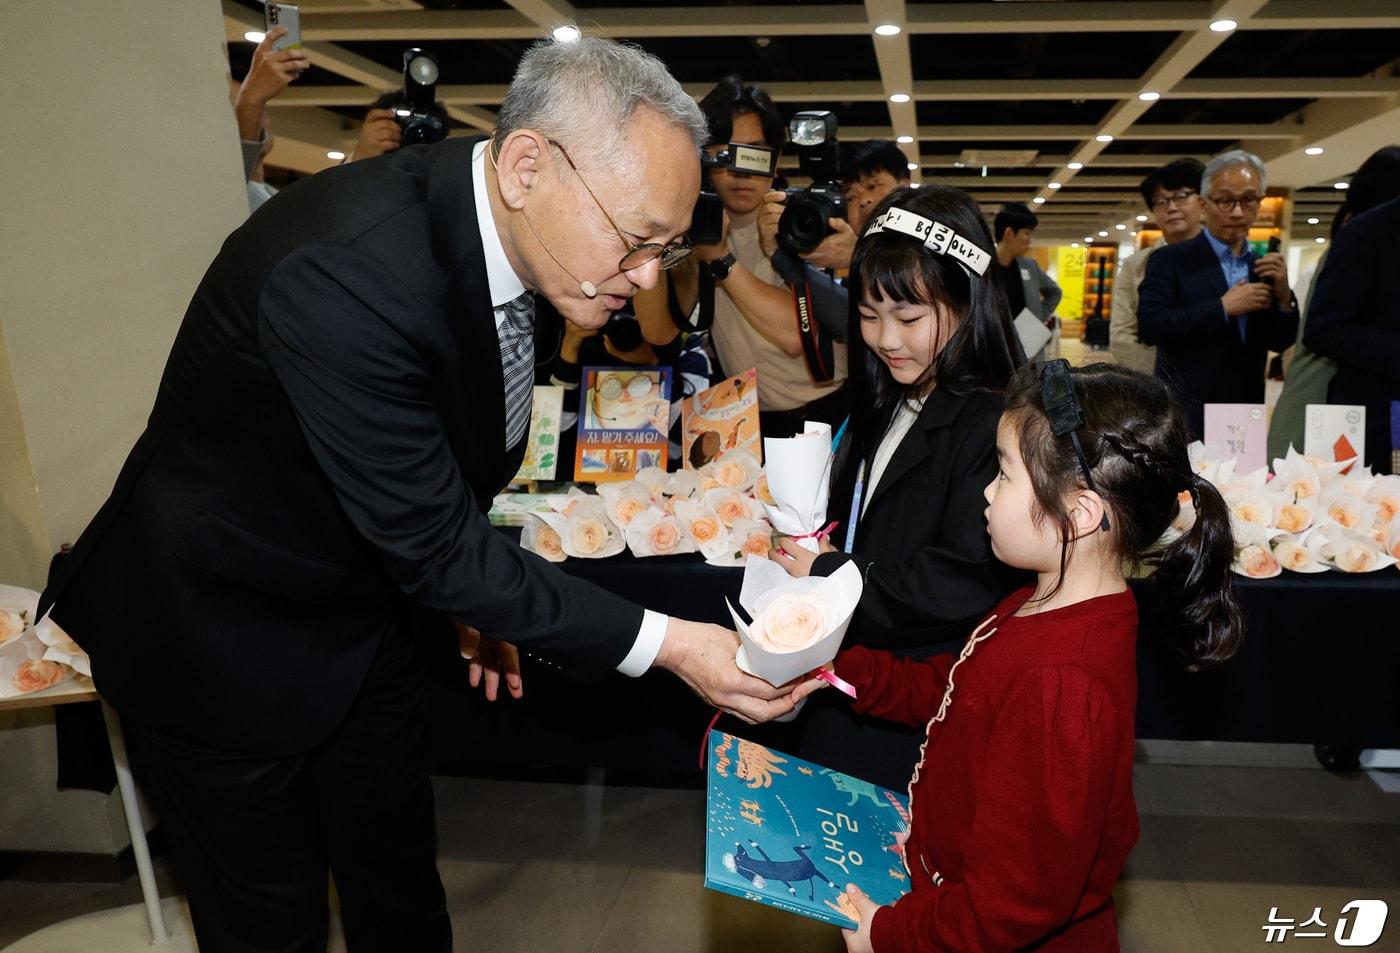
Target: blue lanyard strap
856,496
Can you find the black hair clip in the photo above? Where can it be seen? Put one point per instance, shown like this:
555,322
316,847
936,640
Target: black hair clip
1066,416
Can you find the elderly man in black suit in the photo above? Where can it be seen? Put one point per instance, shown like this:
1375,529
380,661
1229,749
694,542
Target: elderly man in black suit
349,389
1212,306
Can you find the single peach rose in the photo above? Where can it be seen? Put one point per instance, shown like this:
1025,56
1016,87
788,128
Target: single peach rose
730,473
1387,507
705,529
12,623
791,622
663,537
588,536
733,507
1292,556
1357,558
765,495
35,675
758,544
627,509
1302,488
1251,511
1293,518
548,544
1257,562
1345,513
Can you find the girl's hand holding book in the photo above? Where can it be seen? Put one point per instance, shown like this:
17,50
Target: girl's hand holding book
858,941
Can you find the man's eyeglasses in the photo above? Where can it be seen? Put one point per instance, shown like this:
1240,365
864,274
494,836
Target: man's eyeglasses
637,255
1179,199
1223,202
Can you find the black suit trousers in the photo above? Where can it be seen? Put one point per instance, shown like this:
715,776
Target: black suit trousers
254,836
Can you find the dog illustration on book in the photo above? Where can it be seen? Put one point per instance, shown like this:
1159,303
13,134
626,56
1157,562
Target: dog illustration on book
789,872
855,787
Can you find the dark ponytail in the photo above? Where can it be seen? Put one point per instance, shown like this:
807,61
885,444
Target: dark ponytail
1194,572
1134,439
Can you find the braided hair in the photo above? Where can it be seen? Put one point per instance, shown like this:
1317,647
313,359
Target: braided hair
1134,439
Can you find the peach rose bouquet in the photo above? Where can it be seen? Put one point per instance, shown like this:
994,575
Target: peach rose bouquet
703,525
33,656
585,531
656,534
543,540
731,505
625,501
731,470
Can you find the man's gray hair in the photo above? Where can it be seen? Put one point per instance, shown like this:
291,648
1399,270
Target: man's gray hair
1235,158
583,94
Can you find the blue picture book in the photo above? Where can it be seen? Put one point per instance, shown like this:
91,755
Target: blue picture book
791,834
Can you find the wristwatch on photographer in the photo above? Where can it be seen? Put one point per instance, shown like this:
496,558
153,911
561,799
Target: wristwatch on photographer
719,268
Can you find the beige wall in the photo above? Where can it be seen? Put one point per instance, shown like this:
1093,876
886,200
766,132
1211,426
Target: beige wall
98,258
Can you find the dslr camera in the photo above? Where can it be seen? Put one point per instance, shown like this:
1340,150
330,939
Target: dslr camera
420,77
707,221
804,221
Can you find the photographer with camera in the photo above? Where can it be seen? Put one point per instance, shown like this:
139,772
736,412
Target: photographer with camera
404,116
734,279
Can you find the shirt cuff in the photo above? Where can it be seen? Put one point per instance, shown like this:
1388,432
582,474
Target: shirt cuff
648,645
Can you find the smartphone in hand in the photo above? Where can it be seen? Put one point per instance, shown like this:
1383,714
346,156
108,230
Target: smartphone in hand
288,16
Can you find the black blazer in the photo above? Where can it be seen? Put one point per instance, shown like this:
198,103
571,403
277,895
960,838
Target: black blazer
325,443
1199,351
1354,318
922,543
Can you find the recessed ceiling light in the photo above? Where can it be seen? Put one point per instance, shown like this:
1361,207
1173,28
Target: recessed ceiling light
1223,26
899,97
888,29
1039,200
913,166
1149,97
1076,166
335,154
904,140
255,36
1314,221
1142,218
1121,227
1053,185
1342,186
1314,151
1103,137
1135,234
1088,238
1103,234
1073,244
914,185
567,34
1320,240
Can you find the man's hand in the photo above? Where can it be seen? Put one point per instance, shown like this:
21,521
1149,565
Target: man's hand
836,249
774,204
1245,297
858,941
703,657
491,657
715,252
1273,272
268,76
379,133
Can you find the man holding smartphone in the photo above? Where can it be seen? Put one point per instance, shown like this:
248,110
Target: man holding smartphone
1213,306
270,72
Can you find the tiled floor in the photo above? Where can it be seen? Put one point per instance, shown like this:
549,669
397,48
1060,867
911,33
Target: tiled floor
533,866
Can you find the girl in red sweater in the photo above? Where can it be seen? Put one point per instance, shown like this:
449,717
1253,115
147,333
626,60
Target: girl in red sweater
1022,805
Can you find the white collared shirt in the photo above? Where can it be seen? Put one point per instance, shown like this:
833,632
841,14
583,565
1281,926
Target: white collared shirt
505,286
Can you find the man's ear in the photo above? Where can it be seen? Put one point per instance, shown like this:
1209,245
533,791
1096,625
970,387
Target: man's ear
522,157
1087,512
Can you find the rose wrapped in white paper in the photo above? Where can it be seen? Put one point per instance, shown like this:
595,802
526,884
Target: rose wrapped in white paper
543,540
803,633
703,525
654,479
586,533
1249,508
753,538
682,485
1385,494
625,501
799,472
12,623
656,534
1256,562
1350,551
734,470
35,675
1299,555
1294,516
1347,510
731,505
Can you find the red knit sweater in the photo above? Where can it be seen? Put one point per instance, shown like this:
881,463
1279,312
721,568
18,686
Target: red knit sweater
1023,812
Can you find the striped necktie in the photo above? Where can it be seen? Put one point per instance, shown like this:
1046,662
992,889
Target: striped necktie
517,335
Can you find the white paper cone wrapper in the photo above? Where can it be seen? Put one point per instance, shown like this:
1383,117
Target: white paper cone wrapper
840,594
799,473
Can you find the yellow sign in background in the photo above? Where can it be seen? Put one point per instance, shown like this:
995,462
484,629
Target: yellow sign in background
1070,265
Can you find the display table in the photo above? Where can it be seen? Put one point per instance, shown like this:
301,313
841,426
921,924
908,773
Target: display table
68,693
1320,665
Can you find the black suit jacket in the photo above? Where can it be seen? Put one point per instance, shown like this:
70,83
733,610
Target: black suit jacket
1354,318
1199,351
325,443
922,543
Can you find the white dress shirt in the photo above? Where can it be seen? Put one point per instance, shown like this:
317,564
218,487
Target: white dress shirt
505,285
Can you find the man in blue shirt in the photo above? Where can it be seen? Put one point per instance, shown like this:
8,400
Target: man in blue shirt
1213,307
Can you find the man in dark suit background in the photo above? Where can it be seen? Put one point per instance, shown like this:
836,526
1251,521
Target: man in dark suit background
347,392
1213,307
